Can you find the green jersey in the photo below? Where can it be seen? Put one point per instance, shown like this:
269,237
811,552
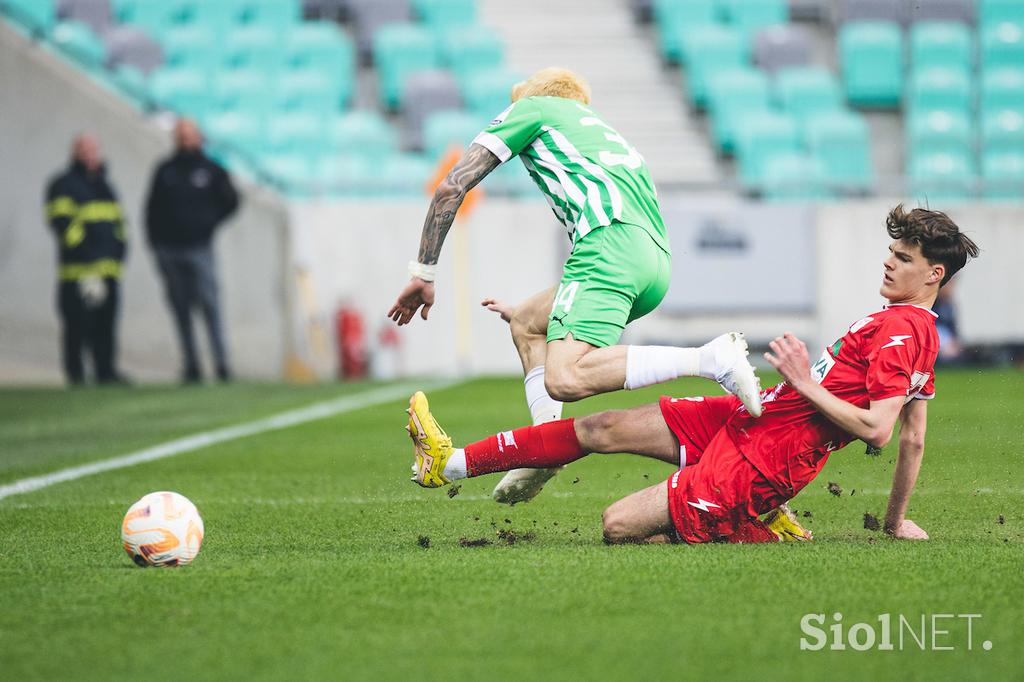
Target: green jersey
589,174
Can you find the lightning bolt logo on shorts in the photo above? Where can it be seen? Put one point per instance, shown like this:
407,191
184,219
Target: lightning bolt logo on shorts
703,504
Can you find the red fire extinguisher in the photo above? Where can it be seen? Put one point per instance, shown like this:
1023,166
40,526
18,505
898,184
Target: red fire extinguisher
351,339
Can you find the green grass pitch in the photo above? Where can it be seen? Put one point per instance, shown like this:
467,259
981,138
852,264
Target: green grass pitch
313,565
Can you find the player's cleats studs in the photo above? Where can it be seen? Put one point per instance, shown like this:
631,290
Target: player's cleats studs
522,485
783,522
432,446
735,373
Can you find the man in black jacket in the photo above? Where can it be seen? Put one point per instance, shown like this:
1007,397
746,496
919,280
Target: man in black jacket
190,196
82,211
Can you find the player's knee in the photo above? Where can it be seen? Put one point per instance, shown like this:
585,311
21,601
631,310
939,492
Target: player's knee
617,528
598,431
563,384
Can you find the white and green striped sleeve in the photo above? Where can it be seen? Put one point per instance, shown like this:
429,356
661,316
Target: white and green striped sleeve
512,131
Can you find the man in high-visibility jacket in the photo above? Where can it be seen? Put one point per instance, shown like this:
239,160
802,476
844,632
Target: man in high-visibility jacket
83,213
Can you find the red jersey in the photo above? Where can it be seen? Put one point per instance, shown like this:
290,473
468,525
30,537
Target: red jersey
886,354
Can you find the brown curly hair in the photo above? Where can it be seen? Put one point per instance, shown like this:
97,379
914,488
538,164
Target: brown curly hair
940,239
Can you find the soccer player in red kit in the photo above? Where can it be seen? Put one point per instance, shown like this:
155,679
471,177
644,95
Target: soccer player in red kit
733,467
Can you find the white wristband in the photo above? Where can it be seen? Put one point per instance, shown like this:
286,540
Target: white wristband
423,271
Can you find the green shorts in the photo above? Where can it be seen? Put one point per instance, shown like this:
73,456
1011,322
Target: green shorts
615,275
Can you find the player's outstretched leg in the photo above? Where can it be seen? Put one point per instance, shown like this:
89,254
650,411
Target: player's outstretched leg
431,444
734,372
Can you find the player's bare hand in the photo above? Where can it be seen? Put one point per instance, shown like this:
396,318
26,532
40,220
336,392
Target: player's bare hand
908,530
788,355
503,309
416,293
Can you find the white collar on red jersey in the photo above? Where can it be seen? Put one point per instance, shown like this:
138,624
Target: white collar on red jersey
912,305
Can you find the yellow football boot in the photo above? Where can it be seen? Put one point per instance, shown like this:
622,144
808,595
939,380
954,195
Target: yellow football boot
432,445
783,523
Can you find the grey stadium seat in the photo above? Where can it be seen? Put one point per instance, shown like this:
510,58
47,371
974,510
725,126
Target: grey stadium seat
941,10
874,10
95,13
777,47
369,15
131,45
336,10
425,93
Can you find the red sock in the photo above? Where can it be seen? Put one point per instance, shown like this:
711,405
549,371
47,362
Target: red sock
534,447
753,531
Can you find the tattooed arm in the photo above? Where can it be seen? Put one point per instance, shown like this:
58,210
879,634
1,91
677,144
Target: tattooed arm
473,167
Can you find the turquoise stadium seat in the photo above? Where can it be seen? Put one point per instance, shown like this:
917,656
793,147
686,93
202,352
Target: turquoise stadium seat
1002,45
753,15
489,92
940,177
805,90
244,91
871,55
182,90
511,180
794,176
192,46
240,131
840,140
761,137
156,17
677,19
1003,176
398,51
466,52
941,88
997,11
710,52
1003,131
34,15
313,90
361,134
79,42
1002,88
941,44
254,47
445,13
735,93
446,129
296,132
294,173
319,45
938,131
404,175
277,13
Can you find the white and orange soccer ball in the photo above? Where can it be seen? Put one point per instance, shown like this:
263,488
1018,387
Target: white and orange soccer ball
162,529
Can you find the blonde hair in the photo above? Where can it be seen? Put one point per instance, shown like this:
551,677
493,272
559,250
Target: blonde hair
553,82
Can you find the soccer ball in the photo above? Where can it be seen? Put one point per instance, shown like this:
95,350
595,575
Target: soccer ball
162,529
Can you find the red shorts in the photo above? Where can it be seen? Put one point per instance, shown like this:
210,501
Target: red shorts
718,490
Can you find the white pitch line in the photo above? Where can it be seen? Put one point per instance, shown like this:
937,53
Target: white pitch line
282,420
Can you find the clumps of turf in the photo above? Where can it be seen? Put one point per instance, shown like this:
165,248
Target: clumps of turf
835,488
454,490
423,541
476,542
807,514
1001,520
511,537
871,522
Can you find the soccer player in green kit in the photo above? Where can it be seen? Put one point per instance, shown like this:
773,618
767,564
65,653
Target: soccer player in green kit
599,188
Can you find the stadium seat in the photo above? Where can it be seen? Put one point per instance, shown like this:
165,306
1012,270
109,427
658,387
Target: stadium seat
153,16
889,11
191,46
131,83
296,132
941,44
130,45
466,52
78,41
275,13
96,14
733,94
794,176
805,91
710,52
445,129
182,90
779,47
939,131
511,180
319,45
959,11
293,173
446,13
1002,88
312,90
243,91
871,54
398,51
254,47
1003,131
345,176
759,138
489,92
403,175
1002,45
362,134
753,15
677,19
370,16
840,140
940,88
992,12
38,16
238,130
1003,176
424,93
942,177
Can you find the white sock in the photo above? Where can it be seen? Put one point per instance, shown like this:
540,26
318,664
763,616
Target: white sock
455,467
649,365
543,408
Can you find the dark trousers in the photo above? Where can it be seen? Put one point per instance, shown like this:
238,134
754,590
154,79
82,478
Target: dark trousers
190,281
93,328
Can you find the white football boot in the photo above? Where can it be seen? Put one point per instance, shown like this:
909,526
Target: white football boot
733,371
522,485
